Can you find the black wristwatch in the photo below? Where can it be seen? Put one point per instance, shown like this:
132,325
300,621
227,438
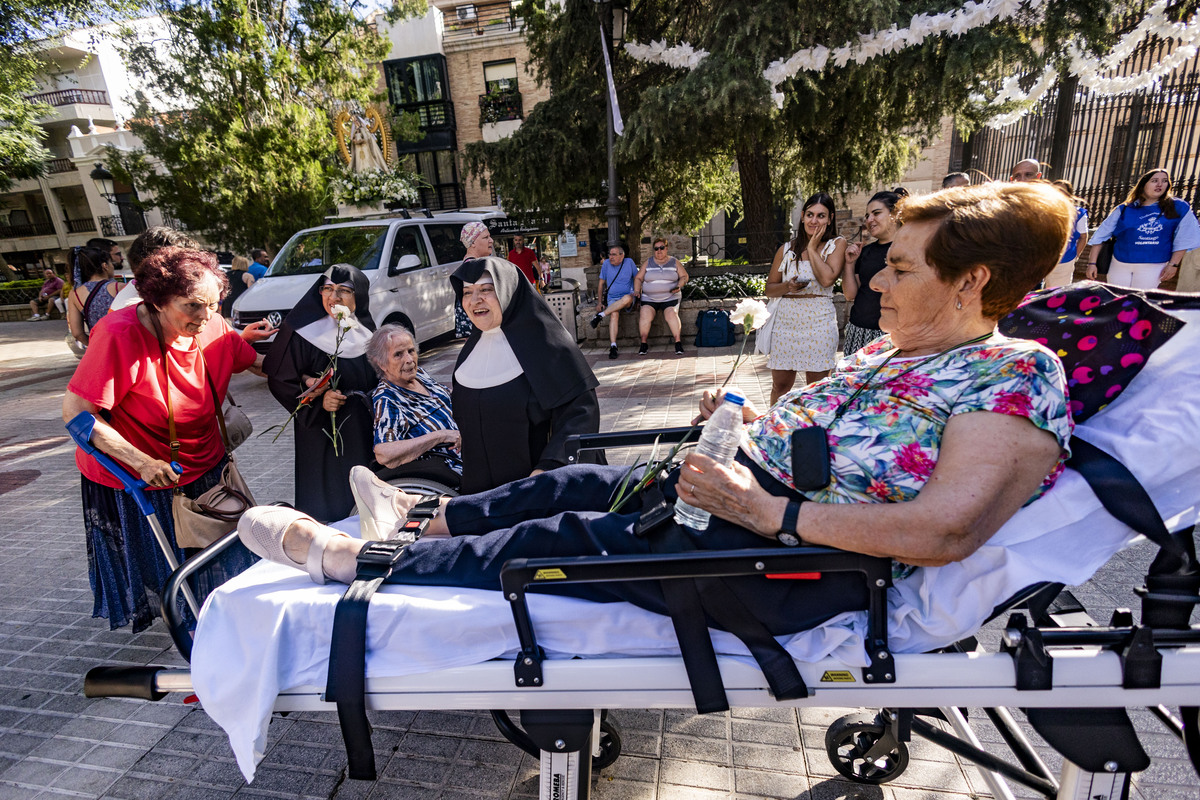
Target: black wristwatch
787,532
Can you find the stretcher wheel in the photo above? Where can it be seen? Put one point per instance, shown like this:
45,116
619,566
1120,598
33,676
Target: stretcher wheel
610,744
848,742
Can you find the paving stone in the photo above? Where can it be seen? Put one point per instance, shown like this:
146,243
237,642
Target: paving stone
769,784
696,748
86,779
67,751
704,776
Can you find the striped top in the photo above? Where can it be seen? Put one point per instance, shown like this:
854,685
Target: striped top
661,281
404,414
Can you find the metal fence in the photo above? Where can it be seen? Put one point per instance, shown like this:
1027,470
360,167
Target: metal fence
1102,145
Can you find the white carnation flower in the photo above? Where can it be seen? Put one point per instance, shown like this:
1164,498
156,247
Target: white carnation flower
344,317
750,314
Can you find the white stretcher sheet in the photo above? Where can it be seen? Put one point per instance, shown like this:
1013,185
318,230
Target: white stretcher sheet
269,628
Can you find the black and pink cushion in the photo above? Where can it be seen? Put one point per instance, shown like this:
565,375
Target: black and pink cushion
1102,333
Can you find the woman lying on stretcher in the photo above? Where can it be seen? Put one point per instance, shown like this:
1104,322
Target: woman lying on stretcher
937,433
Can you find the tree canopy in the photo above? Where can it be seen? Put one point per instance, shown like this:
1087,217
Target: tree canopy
840,129
246,153
25,26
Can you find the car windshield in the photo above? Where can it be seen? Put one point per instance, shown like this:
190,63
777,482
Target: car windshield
315,252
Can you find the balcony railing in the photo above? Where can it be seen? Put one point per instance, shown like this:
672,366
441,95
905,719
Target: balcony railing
173,222
66,97
56,165
85,225
130,223
29,229
499,106
468,20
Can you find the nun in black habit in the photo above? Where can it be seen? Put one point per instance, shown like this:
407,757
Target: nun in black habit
521,386
299,355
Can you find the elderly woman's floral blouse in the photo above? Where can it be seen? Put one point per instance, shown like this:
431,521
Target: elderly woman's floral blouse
886,443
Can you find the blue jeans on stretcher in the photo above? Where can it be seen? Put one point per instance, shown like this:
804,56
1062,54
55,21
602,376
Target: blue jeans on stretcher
563,513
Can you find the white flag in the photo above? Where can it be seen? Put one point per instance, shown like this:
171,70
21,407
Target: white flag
618,123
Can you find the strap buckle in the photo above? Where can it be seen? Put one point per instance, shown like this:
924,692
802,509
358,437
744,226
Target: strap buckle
377,559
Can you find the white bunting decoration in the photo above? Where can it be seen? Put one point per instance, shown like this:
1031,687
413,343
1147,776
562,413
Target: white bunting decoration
681,56
973,14
1010,92
1154,24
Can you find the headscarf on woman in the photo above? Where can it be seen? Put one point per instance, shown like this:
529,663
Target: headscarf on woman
302,349
548,389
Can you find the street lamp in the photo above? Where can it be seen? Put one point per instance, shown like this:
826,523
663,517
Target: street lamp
105,183
613,17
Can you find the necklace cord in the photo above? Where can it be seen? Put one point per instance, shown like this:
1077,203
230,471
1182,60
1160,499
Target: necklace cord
845,404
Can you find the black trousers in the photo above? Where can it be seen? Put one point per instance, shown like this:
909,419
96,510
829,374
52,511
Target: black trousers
563,513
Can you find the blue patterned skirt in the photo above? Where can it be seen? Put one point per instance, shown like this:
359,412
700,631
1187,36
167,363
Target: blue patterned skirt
126,567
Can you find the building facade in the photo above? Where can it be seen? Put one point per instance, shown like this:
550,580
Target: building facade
89,92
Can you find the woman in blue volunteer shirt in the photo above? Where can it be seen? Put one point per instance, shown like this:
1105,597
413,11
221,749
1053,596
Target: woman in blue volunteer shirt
1064,273
1151,233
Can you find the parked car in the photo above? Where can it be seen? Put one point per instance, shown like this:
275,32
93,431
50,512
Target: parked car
408,261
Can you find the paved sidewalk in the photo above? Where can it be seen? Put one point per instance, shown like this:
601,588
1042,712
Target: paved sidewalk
56,743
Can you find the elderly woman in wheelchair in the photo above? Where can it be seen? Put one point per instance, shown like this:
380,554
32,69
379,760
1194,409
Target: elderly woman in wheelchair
929,440
417,443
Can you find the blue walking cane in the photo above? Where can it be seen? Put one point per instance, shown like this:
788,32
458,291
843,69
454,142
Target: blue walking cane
80,429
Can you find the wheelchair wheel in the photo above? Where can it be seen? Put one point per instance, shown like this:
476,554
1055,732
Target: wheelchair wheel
851,738
424,487
610,744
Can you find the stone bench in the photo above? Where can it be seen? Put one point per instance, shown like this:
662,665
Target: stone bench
627,333
19,312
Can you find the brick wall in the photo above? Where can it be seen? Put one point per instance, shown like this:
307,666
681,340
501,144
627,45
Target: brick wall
464,67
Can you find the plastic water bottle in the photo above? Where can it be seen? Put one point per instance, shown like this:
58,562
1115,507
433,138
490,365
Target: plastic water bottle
719,440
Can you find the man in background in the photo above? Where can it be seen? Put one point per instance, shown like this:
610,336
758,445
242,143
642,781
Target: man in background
50,289
956,179
524,258
259,261
616,292
1030,169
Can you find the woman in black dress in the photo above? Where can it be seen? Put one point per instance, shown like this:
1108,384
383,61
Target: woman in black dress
521,386
862,264
299,356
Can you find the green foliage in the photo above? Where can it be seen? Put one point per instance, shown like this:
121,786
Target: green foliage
25,25
249,154
32,283
840,130
406,127
711,287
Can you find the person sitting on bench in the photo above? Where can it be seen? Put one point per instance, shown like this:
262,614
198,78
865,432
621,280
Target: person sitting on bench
937,433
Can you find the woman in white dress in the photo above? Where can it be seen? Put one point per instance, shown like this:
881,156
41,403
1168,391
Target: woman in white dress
804,336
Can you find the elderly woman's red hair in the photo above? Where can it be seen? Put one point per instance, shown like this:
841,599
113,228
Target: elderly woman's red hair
175,272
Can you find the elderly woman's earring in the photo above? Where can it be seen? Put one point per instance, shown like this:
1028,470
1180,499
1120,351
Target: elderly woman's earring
958,304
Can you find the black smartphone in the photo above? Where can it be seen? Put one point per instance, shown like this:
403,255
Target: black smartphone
810,458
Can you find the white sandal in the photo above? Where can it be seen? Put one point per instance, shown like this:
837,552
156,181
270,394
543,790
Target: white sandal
261,529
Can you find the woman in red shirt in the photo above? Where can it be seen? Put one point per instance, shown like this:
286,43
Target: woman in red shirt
122,379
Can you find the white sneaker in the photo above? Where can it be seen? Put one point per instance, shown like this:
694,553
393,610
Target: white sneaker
35,317
378,519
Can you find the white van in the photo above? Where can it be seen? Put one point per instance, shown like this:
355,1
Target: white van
408,261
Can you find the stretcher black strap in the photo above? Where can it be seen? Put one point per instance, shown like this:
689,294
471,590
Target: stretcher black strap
1173,580
347,680
691,629
691,603
1123,496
